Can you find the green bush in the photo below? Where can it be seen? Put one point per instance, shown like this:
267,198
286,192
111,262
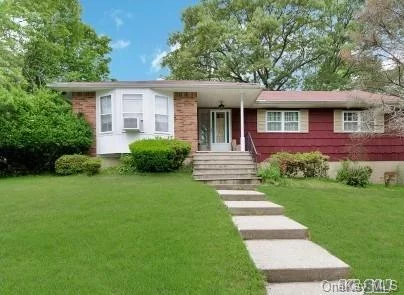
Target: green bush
354,175
159,155
38,128
311,164
92,166
270,172
70,164
127,165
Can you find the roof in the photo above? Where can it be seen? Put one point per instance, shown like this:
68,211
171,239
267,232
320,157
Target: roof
184,85
322,96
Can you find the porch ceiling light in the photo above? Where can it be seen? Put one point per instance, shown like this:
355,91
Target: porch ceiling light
221,105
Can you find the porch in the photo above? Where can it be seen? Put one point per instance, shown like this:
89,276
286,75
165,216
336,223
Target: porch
221,120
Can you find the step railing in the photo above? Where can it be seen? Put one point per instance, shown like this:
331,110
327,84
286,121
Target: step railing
250,147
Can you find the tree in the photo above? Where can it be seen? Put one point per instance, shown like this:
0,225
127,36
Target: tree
54,44
272,42
379,43
379,57
36,129
334,70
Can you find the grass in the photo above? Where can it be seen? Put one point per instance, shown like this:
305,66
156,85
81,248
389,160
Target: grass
362,226
155,234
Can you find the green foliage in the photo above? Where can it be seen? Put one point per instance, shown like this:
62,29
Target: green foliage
70,164
46,41
159,155
354,175
92,166
311,164
128,165
269,171
38,128
262,41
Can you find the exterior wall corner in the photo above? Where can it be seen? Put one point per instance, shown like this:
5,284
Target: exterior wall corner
186,118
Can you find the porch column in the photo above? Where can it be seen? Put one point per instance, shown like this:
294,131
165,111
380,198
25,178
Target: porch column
242,138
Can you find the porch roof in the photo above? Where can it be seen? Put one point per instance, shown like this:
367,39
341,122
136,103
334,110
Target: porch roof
210,93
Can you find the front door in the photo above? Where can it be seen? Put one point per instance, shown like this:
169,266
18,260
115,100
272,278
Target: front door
220,126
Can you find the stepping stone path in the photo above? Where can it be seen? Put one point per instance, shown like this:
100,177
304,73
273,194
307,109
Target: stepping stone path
279,246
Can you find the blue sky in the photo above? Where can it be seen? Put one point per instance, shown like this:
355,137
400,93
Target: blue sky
139,30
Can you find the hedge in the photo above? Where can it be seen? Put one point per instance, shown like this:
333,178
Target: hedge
159,155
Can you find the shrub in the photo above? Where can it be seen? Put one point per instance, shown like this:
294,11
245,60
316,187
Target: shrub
270,172
38,128
159,155
70,164
127,165
92,166
311,164
354,175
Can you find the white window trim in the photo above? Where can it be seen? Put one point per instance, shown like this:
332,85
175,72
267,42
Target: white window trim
168,115
123,112
283,121
101,114
359,123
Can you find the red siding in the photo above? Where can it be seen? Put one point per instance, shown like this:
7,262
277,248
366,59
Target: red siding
321,137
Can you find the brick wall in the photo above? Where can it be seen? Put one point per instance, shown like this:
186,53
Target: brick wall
186,118
85,103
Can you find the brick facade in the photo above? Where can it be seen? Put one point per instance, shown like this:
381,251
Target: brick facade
186,118
85,104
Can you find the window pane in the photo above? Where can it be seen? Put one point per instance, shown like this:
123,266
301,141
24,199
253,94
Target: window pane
291,117
132,105
350,116
105,102
162,123
106,123
161,105
351,126
291,126
274,116
274,126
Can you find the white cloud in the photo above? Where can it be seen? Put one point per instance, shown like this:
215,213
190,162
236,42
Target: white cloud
157,60
143,58
120,44
159,55
119,17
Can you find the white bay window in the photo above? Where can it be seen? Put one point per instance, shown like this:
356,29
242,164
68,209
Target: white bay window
161,113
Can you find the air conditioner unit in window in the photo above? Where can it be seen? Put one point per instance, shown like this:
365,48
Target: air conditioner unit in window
131,124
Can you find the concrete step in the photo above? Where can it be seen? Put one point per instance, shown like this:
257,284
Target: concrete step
228,180
198,175
241,187
204,153
223,162
229,166
269,227
253,208
241,195
224,158
311,288
225,172
295,261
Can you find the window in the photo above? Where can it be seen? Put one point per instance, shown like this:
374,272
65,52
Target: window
106,113
283,121
357,121
132,108
161,115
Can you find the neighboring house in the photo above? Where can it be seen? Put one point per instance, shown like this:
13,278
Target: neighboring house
218,116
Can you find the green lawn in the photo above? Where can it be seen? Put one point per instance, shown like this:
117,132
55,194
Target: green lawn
155,234
362,226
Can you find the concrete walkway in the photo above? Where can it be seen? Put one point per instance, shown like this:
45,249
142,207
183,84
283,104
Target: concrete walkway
280,248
